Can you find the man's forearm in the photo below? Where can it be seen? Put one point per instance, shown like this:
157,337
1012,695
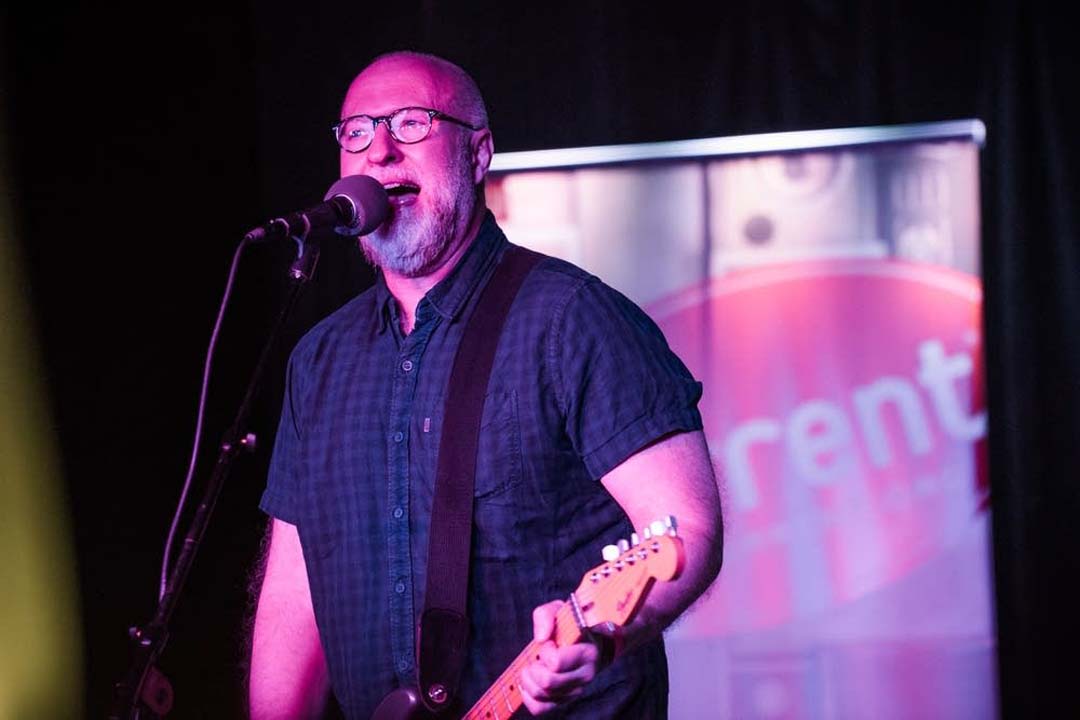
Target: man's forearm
286,692
667,601
674,476
289,676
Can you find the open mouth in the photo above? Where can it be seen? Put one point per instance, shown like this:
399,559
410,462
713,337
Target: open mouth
402,193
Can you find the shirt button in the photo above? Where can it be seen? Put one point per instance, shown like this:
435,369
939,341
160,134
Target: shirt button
398,512
399,436
399,588
407,366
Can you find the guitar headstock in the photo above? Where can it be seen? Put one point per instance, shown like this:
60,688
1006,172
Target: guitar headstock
614,590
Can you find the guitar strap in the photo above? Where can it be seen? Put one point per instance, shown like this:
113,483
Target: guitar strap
442,636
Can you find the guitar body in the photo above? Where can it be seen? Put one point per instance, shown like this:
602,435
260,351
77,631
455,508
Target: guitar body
402,704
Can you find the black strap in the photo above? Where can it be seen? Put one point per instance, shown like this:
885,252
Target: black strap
444,625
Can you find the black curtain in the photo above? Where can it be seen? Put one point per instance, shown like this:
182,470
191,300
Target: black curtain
145,143
1032,309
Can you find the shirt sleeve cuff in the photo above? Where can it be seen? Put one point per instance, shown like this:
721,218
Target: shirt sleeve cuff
277,506
637,435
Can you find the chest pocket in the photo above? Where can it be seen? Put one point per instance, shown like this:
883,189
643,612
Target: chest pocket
498,453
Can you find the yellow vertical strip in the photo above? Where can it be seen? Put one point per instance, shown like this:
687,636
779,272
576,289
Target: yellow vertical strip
40,635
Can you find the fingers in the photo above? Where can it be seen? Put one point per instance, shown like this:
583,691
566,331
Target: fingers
559,675
544,620
567,659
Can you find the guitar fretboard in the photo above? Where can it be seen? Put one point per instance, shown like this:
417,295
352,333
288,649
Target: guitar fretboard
504,696
608,593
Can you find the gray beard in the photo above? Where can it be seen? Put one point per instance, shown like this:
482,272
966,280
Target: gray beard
414,246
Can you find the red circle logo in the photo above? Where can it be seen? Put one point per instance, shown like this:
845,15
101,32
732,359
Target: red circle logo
843,408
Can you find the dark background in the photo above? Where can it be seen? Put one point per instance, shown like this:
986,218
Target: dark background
145,139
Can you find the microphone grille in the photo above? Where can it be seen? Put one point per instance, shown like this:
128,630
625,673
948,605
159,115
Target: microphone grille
371,207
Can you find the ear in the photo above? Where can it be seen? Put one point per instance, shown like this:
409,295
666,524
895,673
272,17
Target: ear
483,147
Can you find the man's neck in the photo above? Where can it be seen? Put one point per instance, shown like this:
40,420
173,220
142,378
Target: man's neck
408,291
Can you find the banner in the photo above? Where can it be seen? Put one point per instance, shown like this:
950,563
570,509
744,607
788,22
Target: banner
824,287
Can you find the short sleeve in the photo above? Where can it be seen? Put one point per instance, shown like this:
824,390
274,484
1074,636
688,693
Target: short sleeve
281,497
621,386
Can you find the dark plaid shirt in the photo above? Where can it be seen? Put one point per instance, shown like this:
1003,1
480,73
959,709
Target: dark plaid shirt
582,379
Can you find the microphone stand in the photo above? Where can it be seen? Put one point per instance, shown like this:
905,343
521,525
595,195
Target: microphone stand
144,685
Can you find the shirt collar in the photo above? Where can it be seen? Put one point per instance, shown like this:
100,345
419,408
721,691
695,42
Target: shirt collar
449,297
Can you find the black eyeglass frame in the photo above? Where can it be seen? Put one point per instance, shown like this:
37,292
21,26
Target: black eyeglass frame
385,119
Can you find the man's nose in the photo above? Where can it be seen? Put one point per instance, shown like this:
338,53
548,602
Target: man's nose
383,148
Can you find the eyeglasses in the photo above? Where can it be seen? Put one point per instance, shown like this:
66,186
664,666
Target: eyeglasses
407,125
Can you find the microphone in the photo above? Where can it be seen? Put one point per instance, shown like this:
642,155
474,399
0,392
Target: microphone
354,205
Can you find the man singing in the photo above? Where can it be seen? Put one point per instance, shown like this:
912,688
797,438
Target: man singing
590,429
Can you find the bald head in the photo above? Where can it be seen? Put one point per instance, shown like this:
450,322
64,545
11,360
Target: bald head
453,90
435,182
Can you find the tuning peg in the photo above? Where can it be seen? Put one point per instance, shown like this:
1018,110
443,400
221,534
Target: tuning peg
634,540
623,546
666,526
610,553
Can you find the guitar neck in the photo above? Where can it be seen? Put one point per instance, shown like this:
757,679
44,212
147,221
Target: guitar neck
609,593
504,696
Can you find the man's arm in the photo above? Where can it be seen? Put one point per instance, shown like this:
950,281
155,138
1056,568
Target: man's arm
289,678
671,477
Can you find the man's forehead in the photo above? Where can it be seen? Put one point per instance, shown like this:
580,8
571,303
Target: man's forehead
398,82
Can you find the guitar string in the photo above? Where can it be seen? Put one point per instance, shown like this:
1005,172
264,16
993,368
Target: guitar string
565,626
564,620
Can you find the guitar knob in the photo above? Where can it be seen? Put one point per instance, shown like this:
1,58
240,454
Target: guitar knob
437,693
658,528
610,553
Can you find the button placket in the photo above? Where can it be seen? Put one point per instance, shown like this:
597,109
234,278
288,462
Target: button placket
405,380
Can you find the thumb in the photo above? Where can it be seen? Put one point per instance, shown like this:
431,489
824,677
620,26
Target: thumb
544,620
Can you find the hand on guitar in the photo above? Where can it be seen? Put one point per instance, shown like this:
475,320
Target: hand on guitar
561,673
556,666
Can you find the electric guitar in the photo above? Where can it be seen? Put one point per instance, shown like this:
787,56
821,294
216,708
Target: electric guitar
609,593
